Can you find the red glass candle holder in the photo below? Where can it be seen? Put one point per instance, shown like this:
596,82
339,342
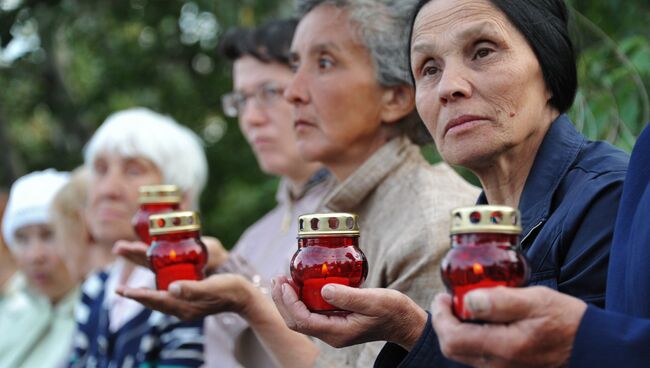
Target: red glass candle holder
328,252
485,253
154,199
176,252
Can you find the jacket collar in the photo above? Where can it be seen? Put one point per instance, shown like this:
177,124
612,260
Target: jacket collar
284,195
354,190
557,153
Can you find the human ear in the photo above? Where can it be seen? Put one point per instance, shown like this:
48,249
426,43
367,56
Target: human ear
398,101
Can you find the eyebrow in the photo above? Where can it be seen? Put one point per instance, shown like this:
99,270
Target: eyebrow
486,28
316,49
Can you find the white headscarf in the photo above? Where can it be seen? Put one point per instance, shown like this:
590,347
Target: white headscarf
29,201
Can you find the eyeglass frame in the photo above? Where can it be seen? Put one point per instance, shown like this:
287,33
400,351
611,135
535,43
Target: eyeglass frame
234,103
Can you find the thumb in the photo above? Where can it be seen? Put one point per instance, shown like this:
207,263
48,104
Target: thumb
349,298
501,304
187,290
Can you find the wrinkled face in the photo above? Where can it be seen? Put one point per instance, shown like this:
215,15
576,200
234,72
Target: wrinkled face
267,124
479,87
39,260
113,195
336,96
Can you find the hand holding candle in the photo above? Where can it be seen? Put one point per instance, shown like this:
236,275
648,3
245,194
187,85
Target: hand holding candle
328,252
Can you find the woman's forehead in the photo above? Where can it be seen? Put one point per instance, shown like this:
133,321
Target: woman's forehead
326,27
439,16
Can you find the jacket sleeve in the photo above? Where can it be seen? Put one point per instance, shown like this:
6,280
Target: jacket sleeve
609,339
587,237
425,353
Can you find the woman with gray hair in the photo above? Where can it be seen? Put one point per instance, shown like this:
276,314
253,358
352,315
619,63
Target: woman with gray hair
354,112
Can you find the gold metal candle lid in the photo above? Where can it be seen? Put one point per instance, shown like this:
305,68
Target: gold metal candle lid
323,224
165,193
173,222
485,219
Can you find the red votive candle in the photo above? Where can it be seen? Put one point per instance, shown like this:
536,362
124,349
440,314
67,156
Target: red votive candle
485,253
154,199
176,251
328,253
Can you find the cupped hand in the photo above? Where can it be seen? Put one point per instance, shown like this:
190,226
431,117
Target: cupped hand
190,300
524,327
136,252
376,315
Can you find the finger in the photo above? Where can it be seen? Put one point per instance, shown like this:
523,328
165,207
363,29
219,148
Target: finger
153,299
196,290
370,302
503,304
460,342
276,294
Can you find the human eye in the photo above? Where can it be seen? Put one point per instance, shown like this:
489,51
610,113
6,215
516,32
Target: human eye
100,167
483,49
294,62
134,168
429,69
325,62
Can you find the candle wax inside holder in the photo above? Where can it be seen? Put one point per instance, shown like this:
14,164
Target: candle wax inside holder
480,261
177,256
325,260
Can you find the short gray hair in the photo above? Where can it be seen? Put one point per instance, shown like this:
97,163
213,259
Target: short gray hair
383,30
139,132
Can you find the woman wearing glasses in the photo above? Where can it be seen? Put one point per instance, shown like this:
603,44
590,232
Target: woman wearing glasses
261,72
354,112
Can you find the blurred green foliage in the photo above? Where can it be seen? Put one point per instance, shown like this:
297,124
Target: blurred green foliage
67,64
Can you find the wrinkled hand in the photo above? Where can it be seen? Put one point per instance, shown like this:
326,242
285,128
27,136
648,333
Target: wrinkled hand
189,300
377,315
529,327
136,252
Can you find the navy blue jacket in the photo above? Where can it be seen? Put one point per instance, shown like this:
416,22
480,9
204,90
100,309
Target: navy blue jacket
619,336
568,207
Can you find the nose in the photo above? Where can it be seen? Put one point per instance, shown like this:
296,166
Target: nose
36,252
296,92
454,84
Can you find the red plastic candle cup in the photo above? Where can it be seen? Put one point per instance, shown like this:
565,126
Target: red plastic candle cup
176,251
328,253
154,199
485,253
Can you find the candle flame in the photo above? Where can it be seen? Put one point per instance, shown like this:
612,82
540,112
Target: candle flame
324,270
172,254
478,269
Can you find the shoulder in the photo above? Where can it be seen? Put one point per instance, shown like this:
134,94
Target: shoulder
600,157
426,191
261,227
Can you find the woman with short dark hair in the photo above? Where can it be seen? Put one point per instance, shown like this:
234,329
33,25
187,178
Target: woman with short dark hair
493,79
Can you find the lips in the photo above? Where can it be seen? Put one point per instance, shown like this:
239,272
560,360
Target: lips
301,124
463,121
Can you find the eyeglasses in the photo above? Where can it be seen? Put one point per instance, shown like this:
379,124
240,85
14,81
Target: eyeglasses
265,95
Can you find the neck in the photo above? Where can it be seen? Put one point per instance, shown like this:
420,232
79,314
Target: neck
355,155
504,177
300,176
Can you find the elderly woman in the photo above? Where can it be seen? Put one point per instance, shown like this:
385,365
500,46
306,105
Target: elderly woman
493,79
37,321
353,107
131,148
